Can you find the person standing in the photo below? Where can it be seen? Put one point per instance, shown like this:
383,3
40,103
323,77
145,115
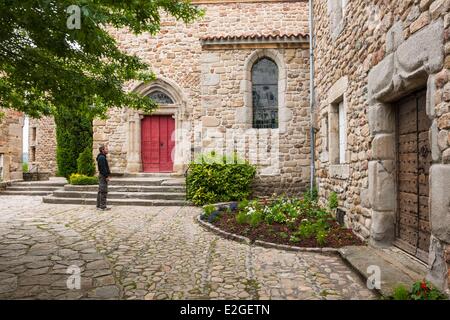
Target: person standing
104,173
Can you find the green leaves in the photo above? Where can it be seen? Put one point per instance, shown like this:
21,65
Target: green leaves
85,162
210,182
45,66
420,290
80,179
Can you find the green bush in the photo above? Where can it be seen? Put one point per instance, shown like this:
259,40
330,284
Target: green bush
73,136
213,179
400,293
25,167
420,290
241,217
85,162
80,179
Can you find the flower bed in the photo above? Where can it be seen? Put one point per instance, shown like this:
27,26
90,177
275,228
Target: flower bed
295,222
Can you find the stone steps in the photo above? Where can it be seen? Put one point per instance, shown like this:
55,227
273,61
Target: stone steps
38,184
34,188
161,181
124,188
121,195
116,202
25,193
147,190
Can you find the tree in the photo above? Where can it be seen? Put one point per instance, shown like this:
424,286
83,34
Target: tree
85,162
47,63
73,136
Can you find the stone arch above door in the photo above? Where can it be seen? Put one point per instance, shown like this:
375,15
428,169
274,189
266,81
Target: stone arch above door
177,109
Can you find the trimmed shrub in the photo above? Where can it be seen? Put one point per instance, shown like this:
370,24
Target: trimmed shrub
80,179
213,179
85,162
25,167
73,136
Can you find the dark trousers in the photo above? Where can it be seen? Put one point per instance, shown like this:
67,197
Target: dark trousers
102,191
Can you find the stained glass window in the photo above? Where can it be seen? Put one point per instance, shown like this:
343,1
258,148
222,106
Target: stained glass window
265,94
160,97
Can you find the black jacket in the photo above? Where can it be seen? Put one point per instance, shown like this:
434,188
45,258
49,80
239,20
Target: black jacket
102,164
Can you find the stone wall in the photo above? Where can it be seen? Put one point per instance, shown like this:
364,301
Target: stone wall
380,52
211,86
42,145
11,125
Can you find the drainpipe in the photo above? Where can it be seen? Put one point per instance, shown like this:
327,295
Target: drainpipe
312,93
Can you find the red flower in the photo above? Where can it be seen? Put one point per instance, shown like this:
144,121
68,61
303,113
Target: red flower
424,286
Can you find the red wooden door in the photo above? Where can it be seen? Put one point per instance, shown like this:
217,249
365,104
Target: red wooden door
157,144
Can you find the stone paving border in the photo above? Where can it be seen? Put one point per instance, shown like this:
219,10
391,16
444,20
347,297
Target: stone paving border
220,232
260,243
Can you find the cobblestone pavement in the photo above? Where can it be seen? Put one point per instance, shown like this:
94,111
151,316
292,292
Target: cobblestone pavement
151,253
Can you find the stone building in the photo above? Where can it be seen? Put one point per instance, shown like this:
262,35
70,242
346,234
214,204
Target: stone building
11,125
42,145
235,80
383,121
238,80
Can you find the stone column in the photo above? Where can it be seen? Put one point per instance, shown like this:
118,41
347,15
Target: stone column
134,163
382,193
440,224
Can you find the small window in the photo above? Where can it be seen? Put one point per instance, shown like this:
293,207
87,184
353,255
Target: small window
33,154
337,133
33,134
342,133
160,97
265,94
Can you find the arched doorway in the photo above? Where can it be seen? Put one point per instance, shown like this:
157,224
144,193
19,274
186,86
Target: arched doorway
153,143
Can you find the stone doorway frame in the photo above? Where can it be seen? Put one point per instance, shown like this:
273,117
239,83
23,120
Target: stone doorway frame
177,110
408,66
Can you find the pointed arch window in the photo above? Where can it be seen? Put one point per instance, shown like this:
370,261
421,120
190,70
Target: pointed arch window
160,97
265,94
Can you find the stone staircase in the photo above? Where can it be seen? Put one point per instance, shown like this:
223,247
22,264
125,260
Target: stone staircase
34,188
139,190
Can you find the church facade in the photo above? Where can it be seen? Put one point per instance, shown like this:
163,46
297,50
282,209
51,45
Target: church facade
234,81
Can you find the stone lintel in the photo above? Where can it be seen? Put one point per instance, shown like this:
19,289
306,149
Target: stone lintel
339,171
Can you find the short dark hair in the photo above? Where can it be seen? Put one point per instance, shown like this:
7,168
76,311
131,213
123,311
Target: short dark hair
101,149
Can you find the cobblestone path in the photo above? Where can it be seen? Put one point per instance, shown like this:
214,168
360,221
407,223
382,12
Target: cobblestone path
151,253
